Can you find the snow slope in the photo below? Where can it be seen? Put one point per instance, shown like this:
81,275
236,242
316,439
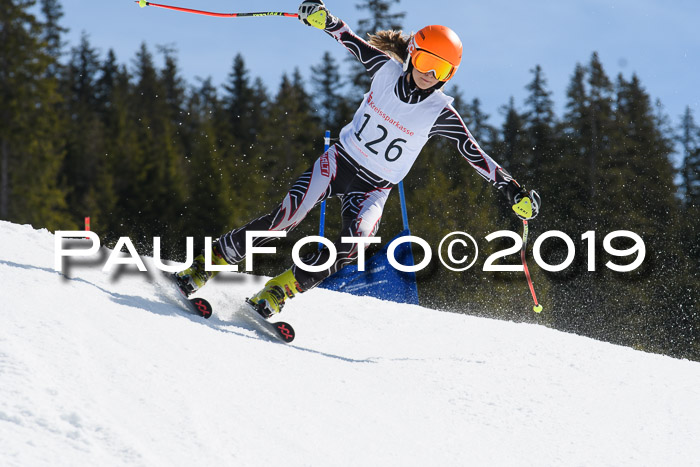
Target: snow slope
108,370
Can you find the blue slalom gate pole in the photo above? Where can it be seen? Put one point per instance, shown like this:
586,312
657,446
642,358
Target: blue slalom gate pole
322,226
404,212
379,279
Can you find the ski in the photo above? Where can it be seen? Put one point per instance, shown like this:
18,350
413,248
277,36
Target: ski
281,330
198,306
201,307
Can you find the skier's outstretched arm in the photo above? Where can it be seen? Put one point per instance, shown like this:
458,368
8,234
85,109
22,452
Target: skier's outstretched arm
451,126
314,13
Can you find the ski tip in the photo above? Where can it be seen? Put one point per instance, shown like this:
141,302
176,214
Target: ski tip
202,307
285,331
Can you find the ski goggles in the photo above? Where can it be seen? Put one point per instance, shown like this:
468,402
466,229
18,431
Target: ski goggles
425,62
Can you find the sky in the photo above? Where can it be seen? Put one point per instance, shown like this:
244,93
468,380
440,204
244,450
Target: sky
503,41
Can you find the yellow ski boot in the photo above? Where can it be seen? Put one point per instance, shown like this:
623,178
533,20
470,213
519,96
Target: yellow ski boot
193,278
271,298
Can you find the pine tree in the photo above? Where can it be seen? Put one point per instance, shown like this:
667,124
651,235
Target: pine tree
84,133
540,126
638,176
688,282
242,120
574,204
30,142
477,122
158,188
545,162
515,150
52,12
573,193
211,199
600,111
290,143
689,139
380,17
333,109
173,85
589,120
122,156
540,112
239,105
643,161
296,132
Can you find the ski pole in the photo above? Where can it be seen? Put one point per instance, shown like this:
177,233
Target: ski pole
537,308
144,3
322,220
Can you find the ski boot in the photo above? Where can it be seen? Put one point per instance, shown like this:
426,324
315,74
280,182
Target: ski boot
193,278
271,298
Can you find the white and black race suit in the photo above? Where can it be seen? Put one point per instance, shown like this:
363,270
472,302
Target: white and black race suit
376,150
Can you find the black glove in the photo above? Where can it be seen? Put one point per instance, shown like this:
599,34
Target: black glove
313,13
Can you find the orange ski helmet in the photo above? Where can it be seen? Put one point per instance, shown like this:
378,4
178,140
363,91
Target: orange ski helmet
437,49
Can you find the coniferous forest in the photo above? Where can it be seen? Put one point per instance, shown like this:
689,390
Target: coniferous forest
144,154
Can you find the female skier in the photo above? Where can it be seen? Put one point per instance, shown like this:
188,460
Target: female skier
402,110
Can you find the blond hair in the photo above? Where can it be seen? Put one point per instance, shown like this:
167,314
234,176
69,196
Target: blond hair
393,43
